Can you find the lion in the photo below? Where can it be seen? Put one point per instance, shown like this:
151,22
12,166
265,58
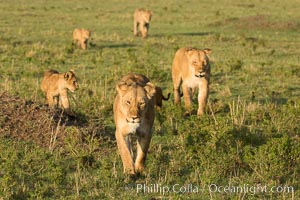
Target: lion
134,115
191,68
141,21
81,37
159,97
55,85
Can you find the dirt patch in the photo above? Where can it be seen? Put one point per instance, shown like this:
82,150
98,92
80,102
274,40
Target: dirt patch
26,120
259,22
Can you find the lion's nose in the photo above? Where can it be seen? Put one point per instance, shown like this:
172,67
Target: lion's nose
134,117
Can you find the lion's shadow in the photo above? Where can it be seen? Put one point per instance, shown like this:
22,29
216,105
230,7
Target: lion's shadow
110,46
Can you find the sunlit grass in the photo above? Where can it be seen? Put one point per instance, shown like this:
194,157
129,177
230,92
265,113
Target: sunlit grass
249,135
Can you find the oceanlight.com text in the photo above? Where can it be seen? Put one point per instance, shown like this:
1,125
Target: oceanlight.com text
210,188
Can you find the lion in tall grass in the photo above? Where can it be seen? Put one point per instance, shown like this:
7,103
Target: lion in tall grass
55,85
134,115
191,69
81,37
141,22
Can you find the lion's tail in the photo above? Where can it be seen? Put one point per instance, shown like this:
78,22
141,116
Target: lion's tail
166,98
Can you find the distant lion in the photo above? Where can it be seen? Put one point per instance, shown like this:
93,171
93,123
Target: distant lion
191,68
134,115
159,97
55,85
81,37
141,21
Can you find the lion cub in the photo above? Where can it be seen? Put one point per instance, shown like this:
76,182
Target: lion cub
134,115
81,37
191,68
141,20
55,85
159,97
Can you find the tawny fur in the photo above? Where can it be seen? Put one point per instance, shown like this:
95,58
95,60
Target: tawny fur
81,37
55,85
191,68
134,114
141,22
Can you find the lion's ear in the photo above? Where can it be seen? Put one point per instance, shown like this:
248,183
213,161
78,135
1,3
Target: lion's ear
121,87
150,89
68,75
207,51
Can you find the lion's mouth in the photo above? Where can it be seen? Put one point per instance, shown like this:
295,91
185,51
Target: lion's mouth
133,121
200,75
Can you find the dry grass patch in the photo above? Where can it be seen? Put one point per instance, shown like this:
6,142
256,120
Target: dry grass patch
30,121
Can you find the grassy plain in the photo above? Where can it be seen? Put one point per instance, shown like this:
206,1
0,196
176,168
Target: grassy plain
249,136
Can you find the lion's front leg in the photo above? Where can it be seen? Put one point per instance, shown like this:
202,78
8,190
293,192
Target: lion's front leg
202,97
176,86
125,153
142,149
65,103
187,95
83,45
144,31
64,100
135,27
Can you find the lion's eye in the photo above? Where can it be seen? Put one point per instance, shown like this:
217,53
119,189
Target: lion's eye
128,102
142,104
195,62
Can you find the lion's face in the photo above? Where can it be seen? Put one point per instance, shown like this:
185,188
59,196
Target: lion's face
198,61
71,81
135,100
147,16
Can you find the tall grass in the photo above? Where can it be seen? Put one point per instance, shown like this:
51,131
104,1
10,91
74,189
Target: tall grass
249,135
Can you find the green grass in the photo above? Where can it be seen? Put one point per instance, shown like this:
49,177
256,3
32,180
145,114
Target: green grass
250,134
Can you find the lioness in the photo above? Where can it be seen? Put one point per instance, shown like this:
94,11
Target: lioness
81,37
141,20
56,86
191,67
159,97
134,114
